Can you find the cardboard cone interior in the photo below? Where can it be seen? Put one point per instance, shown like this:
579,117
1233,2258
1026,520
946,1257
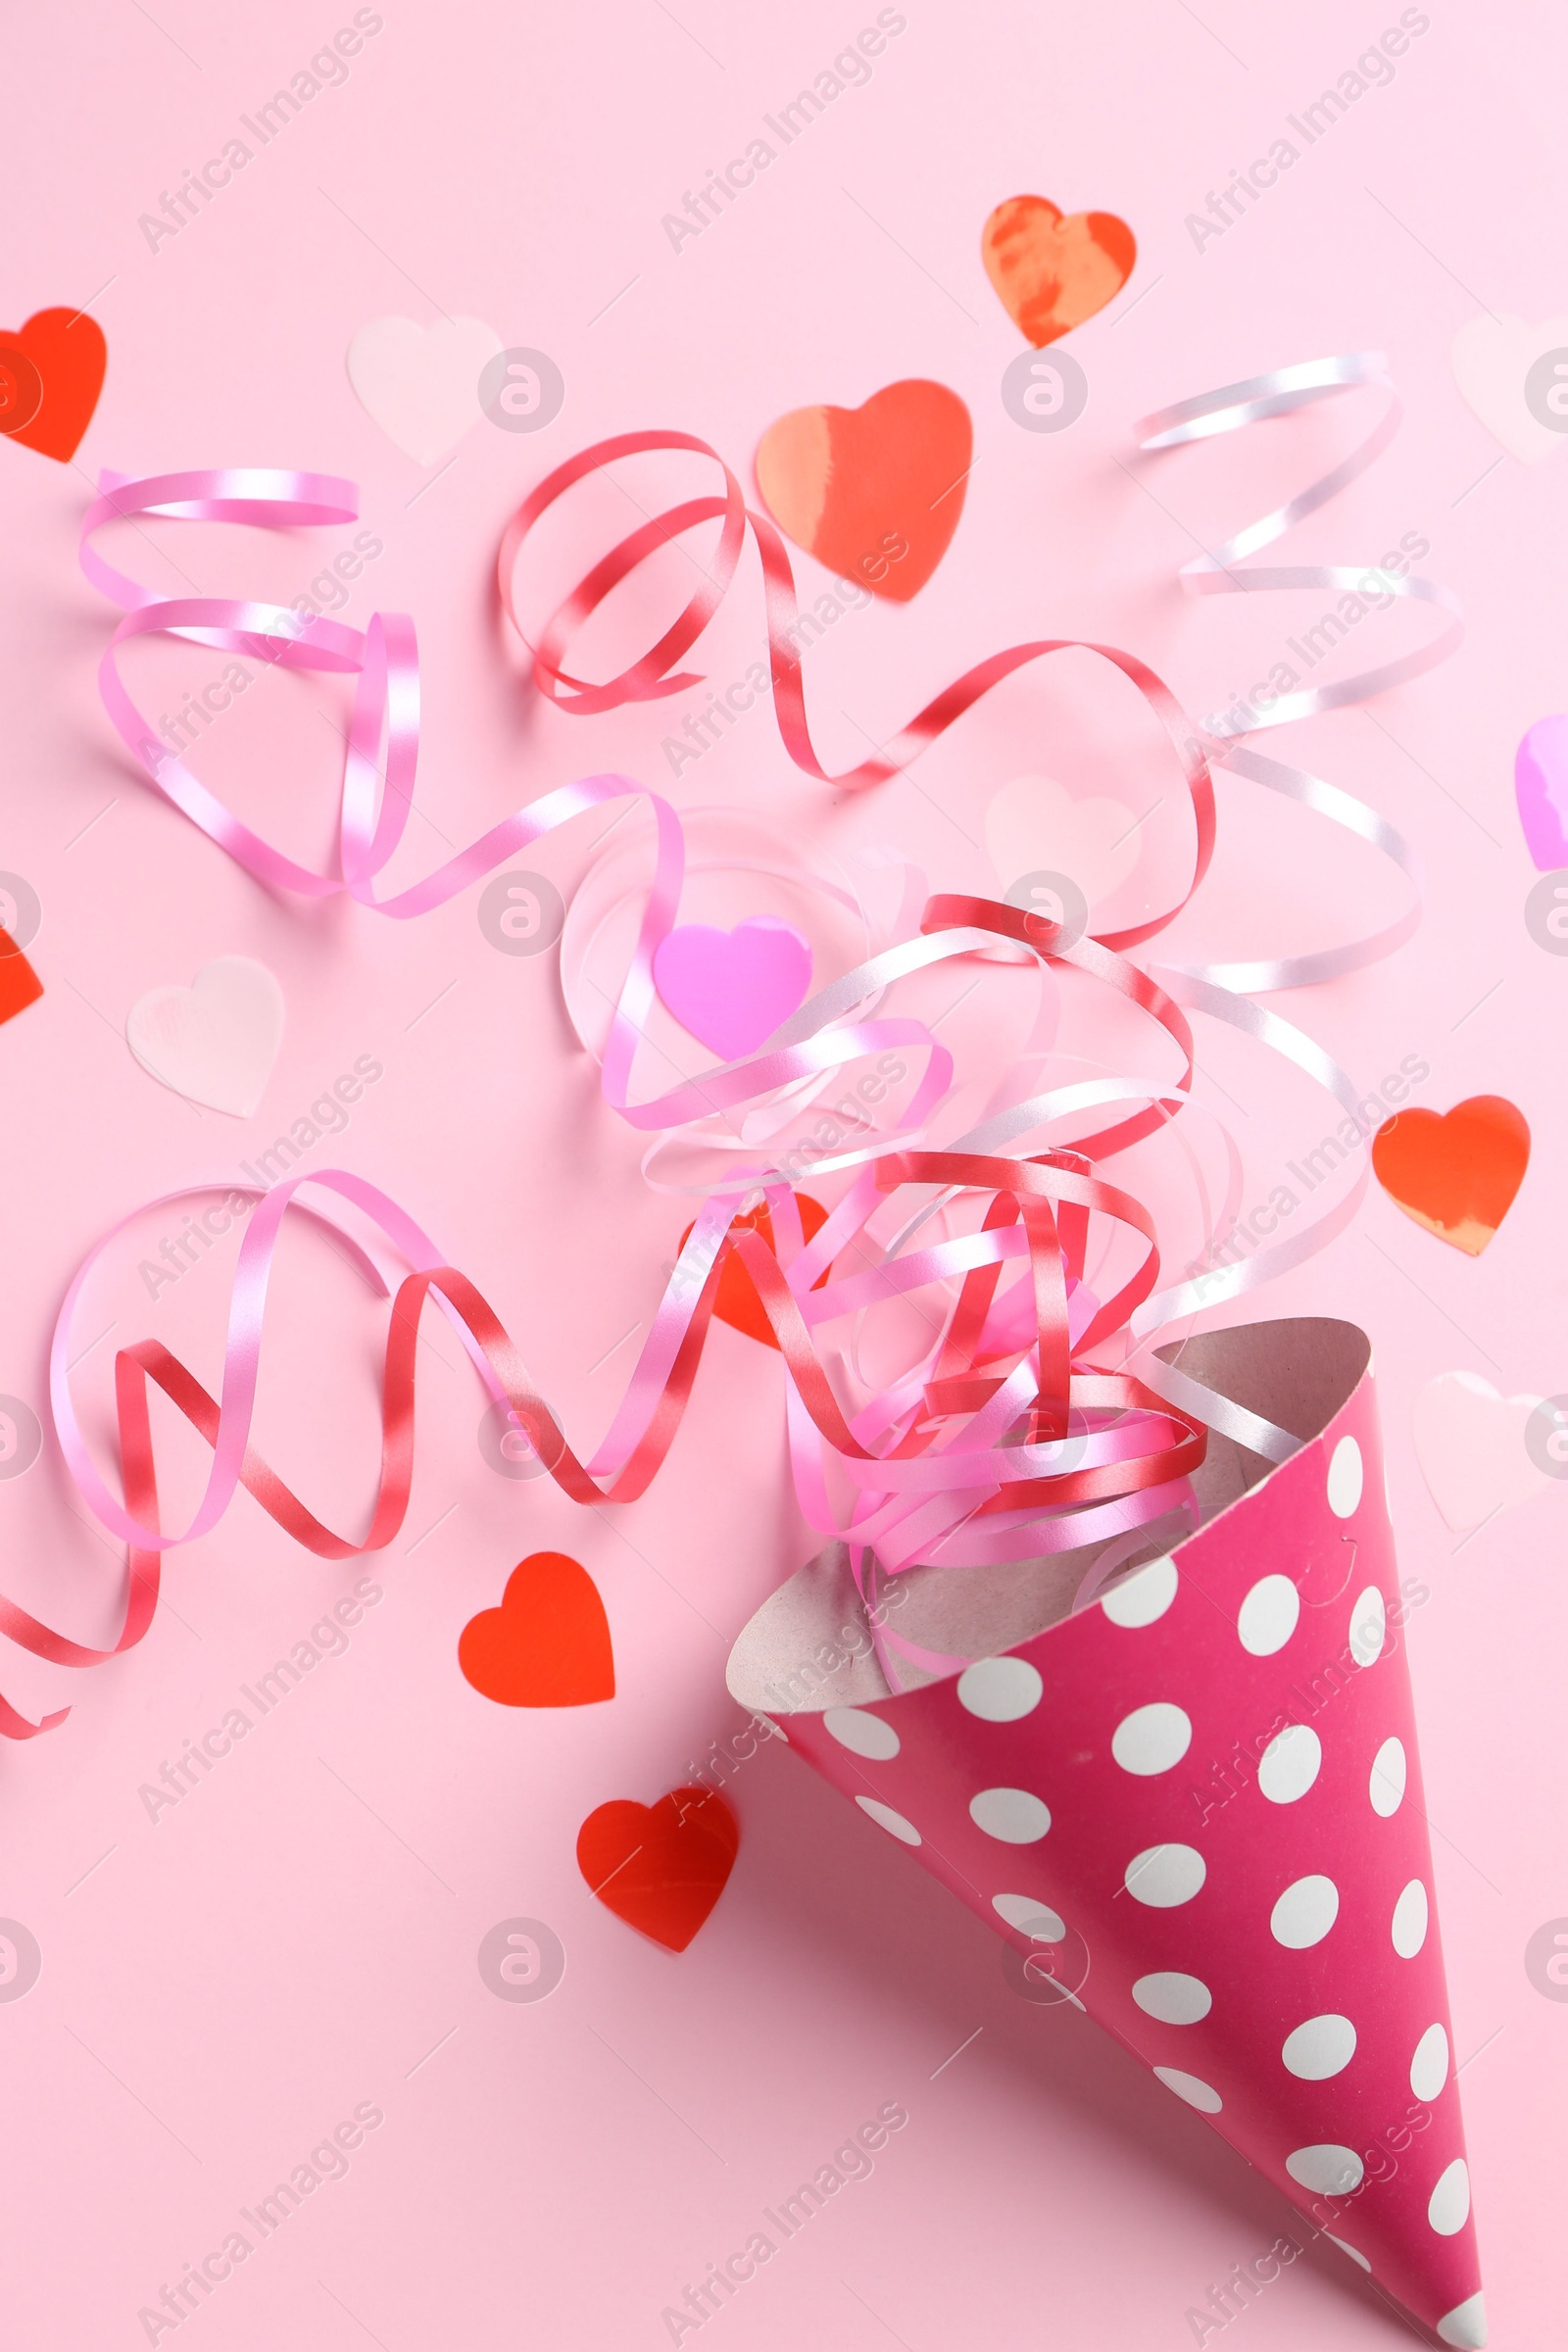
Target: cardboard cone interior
1195,1803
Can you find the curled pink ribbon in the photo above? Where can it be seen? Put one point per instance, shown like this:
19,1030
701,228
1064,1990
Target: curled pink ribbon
385,658
1007,1440
386,700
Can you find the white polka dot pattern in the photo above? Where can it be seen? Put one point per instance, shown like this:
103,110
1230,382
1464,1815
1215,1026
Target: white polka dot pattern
1369,1628
1209,1766
1014,1815
1191,2088
1429,2068
1000,1690
1465,2326
1304,1913
886,1819
1345,1476
861,1732
1163,1876
1322,2048
1030,1917
1388,1773
1289,1764
1143,1596
1268,1616
1410,1915
1326,2169
1152,1739
1174,1998
1449,2208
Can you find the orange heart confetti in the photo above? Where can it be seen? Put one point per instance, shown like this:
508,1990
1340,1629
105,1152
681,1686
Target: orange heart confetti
1052,272
1455,1173
875,492
548,1643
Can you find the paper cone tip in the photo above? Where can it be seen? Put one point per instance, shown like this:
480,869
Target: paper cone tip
1467,2325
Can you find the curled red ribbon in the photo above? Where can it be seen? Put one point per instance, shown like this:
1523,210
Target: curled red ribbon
1006,1441
653,674
385,660
1012,1422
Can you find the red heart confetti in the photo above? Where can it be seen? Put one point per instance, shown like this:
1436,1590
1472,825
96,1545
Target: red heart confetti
1457,1173
875,492
21,986
737,1302
661,1867
548,1643
51,373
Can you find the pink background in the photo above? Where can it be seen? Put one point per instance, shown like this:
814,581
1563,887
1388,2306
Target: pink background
300,1933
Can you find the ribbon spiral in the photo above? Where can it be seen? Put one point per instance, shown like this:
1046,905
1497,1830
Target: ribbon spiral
1007,1440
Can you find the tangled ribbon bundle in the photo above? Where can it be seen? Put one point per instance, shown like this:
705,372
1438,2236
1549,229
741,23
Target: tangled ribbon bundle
1007,1440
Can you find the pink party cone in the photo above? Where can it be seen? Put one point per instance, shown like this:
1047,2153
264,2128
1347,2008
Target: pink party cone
1198,1804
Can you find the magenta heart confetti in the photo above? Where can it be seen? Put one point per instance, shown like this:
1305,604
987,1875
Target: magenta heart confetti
1541,787
731,989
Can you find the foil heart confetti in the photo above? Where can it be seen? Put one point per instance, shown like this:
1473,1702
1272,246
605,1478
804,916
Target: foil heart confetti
875,492
1052,271
1455,1173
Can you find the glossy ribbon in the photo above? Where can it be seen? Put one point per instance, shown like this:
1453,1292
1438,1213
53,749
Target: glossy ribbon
386,700
1006,1441
1218,572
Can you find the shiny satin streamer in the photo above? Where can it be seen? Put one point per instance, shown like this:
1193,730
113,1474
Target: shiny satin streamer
1099,1454
1217,572
385,658
1228,410
1008,1442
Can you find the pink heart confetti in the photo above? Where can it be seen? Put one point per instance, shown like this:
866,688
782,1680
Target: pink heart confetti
1035,825
214,1041
731,989
420,384
1541,787
1473,1449
1494,361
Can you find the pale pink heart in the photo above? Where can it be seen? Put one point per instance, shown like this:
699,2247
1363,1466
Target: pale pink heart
1034,826
421,384
214,1041
731,989
1490,360
1470,1444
